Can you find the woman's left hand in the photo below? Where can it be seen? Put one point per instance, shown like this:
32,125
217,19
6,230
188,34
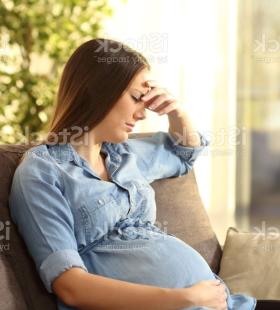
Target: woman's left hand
159,100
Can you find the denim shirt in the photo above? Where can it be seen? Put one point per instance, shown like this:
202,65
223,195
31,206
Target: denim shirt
67,214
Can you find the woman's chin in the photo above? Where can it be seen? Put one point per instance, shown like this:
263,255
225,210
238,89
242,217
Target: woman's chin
119,138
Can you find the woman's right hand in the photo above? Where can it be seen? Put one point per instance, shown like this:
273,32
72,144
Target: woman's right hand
208,293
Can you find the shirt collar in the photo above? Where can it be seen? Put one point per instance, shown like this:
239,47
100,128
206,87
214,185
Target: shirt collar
66,153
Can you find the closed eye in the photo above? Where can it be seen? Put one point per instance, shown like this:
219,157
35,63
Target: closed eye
136,99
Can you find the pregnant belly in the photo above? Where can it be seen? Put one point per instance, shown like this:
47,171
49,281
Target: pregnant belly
163,260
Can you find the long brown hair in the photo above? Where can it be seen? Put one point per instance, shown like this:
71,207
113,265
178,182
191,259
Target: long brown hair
94,78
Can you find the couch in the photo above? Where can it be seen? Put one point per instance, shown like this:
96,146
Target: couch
180,212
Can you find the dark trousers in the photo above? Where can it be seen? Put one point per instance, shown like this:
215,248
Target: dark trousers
268,305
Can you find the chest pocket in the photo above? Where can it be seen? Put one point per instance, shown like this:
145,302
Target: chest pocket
99,215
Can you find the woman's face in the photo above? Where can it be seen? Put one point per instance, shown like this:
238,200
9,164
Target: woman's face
128,110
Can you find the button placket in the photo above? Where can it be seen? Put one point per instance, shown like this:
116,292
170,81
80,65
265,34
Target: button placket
132,193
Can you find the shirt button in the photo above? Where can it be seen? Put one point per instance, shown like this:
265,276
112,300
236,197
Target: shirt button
100,201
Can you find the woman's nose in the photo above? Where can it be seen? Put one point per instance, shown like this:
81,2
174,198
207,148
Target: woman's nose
140,114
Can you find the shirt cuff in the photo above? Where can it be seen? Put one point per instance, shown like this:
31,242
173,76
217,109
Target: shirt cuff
188,153
58,262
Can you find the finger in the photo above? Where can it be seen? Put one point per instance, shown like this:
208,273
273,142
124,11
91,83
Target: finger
154,92
159,101
224,286
168,109
215,282
162,107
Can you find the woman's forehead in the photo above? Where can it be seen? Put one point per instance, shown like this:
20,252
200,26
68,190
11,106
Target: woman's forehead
140,80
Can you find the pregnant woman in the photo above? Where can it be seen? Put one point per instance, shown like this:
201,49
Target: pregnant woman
82,198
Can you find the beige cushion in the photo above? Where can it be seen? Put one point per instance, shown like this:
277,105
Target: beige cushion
251,263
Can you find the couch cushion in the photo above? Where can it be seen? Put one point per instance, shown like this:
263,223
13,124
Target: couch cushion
20,274
9,157
10,292
251,263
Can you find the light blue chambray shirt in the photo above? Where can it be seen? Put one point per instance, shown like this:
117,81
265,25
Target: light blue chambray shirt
69,217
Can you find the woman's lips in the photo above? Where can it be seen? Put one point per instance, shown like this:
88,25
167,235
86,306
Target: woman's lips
129,126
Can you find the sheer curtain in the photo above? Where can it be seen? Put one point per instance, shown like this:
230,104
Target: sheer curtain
191,46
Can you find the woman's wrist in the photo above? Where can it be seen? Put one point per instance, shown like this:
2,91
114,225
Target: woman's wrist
180,298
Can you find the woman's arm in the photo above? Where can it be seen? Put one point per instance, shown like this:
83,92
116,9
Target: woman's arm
86,291
181,128
163,154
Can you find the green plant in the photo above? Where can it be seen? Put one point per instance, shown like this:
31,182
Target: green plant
36,39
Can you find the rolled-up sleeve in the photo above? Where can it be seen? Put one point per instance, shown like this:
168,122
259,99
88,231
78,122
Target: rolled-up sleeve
160,156
44,218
